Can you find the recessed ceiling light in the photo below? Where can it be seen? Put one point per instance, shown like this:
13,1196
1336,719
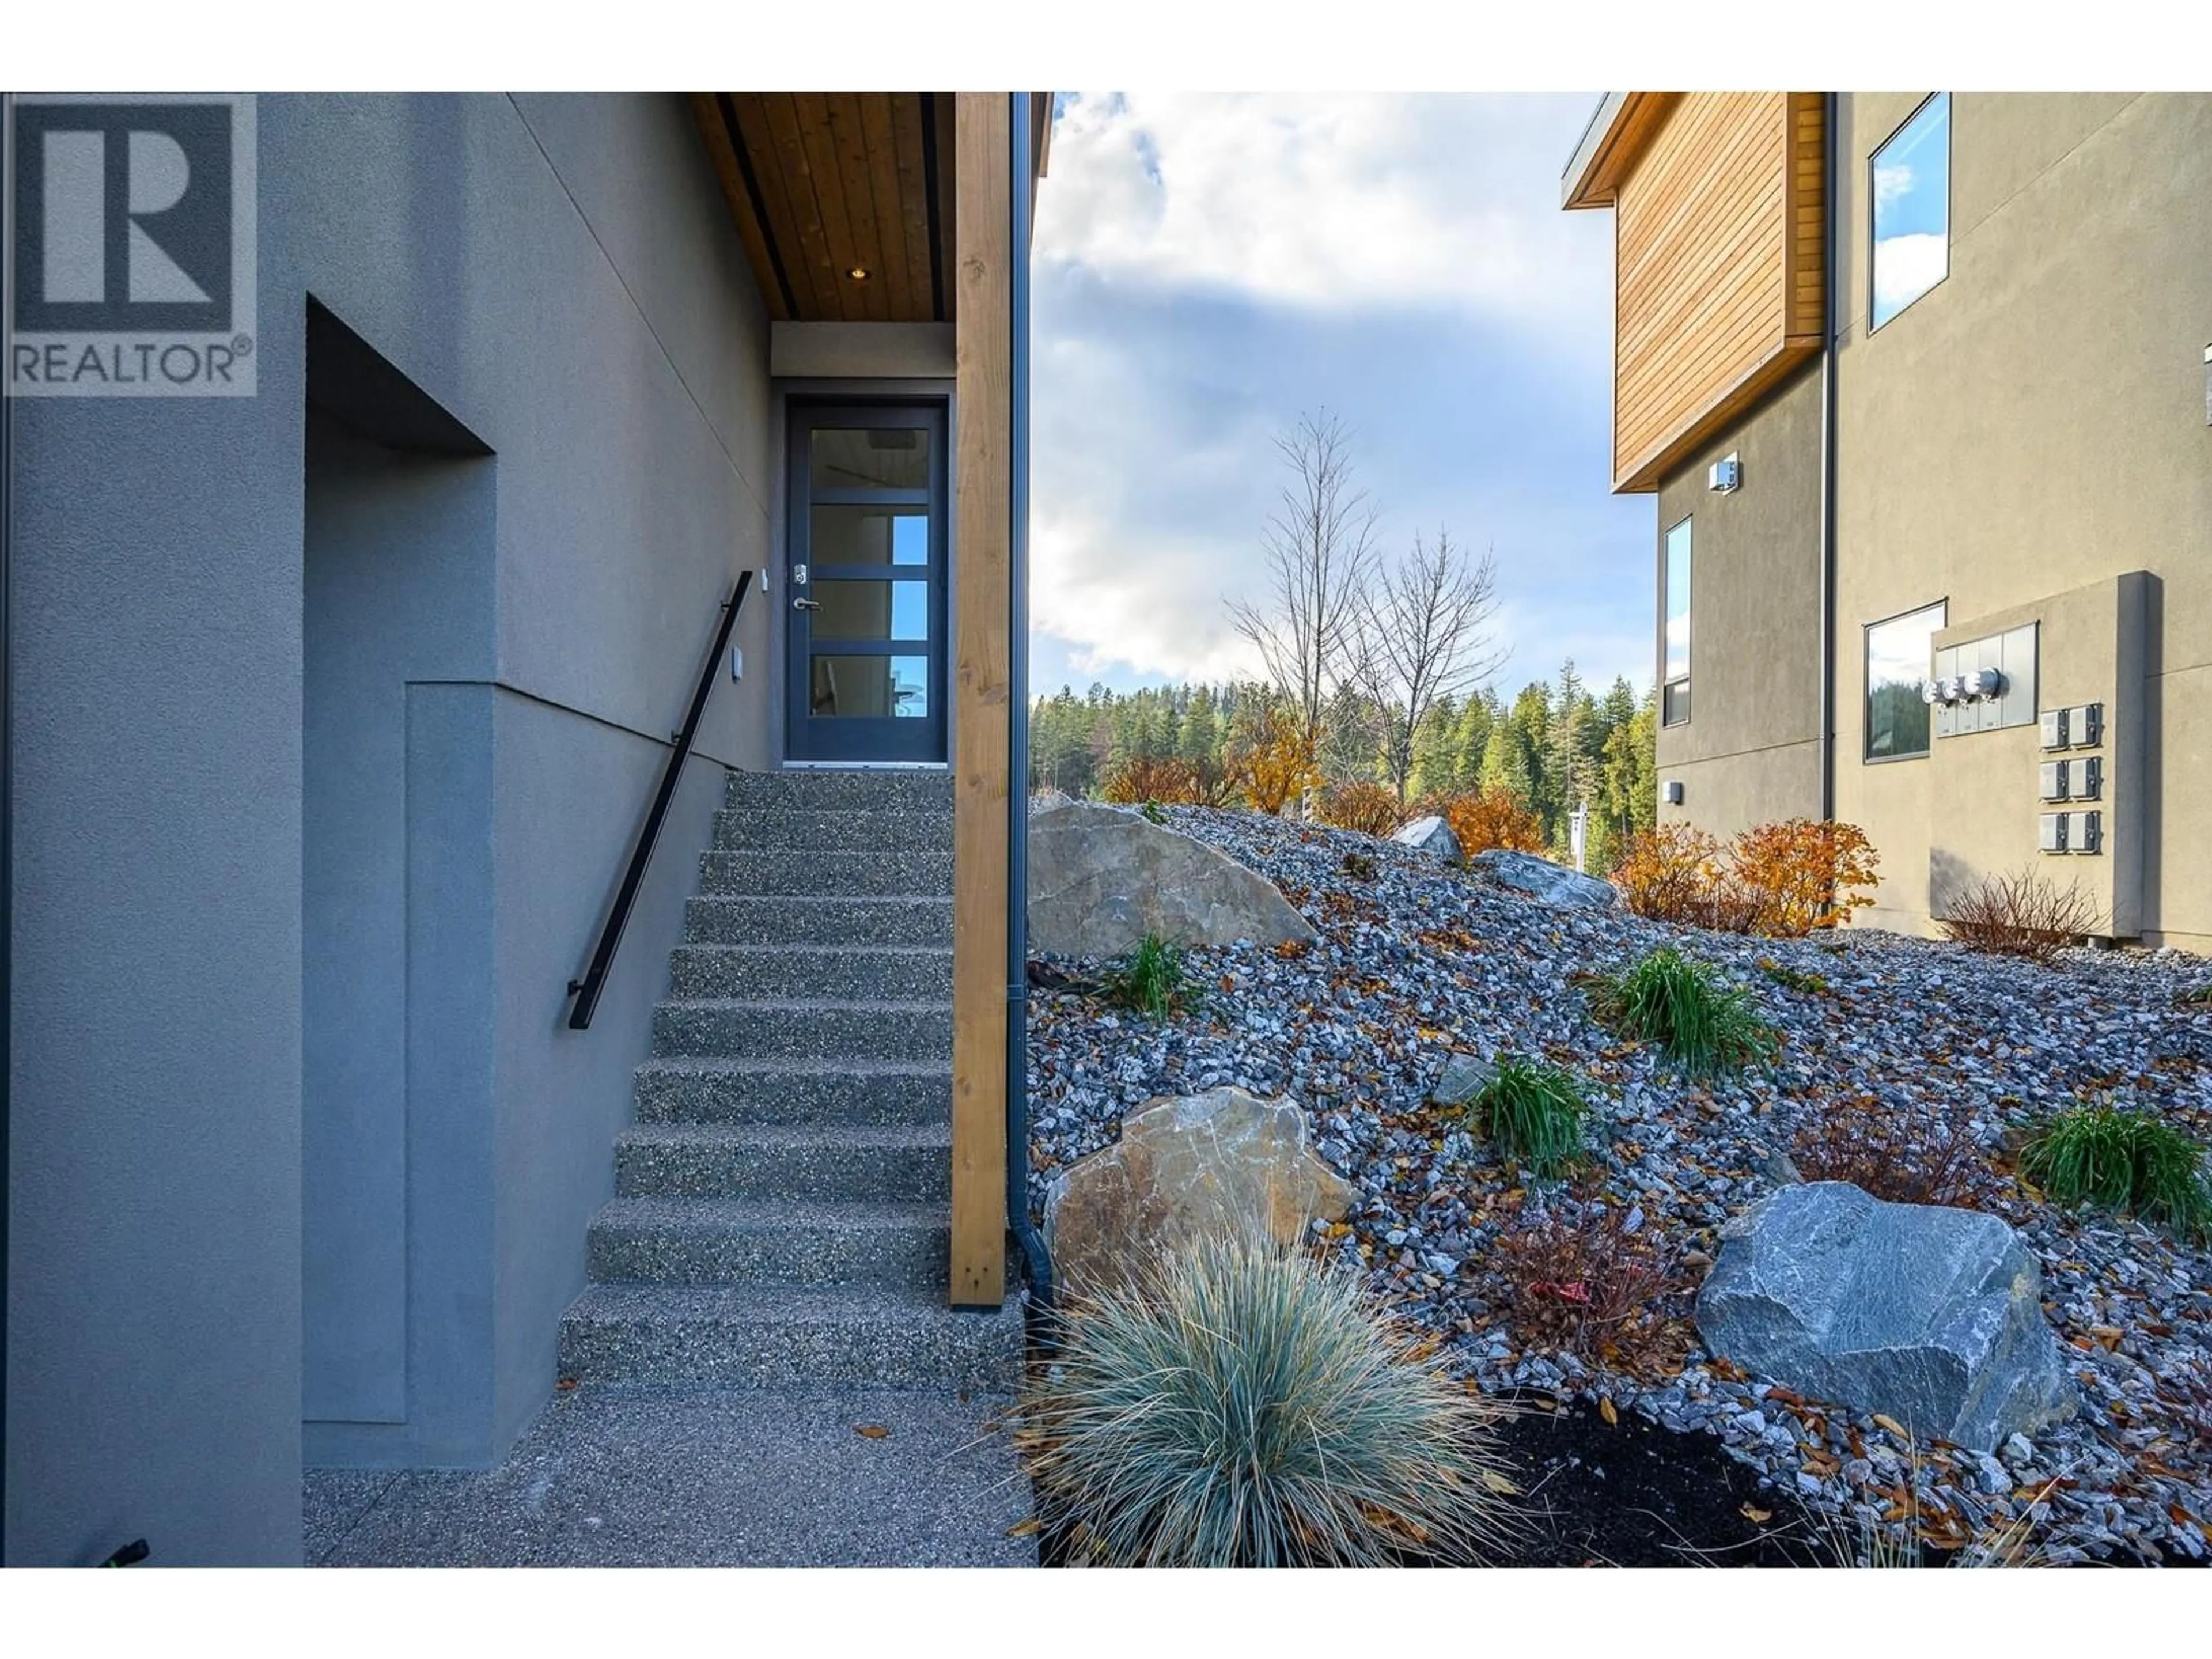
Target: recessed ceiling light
858,273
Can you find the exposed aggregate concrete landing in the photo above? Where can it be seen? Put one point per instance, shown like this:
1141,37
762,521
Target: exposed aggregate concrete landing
615,1476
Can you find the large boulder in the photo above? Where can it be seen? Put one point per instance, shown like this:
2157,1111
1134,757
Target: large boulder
1430,834
1932,1316
1188,1167
1539,879
1100,879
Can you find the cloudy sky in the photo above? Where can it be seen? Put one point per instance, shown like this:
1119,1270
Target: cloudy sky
1208,267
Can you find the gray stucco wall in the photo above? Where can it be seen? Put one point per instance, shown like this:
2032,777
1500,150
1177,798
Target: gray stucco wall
559,273
1750,752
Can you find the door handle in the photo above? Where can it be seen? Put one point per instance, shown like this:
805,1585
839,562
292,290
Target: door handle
801,602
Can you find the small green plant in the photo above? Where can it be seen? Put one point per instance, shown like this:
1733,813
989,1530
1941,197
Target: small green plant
1533,1113
1242,1405
1154,812
1153,979
2197,996
1679,1003
1794,979
1360,867
2105,1154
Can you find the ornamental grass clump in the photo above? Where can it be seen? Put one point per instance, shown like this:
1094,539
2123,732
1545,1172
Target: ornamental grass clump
1151,979
1705,1026
1533,1114
1243,1405
2104,1154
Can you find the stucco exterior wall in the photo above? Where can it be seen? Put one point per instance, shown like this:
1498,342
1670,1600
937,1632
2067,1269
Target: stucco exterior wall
1750,751
2035,422
560,273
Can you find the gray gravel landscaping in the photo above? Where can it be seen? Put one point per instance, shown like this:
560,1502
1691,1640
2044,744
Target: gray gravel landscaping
1420,960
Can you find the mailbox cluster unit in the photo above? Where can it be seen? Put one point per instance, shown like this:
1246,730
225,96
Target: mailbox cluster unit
2075,778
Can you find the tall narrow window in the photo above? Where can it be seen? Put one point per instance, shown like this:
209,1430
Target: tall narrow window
1912,209
1674,700
1898,655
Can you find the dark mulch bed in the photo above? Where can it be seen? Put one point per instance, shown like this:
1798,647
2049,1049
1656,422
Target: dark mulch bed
1633,1494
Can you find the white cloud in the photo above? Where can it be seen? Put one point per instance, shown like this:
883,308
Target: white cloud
1207,269
1906,267
1320,200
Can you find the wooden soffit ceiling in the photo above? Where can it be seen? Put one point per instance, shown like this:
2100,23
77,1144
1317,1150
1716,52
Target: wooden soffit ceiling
824,185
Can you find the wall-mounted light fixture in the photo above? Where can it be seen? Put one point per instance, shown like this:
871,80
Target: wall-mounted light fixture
1725,475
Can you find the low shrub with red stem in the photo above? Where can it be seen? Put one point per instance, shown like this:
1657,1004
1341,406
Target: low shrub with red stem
1580,1277
1902,1154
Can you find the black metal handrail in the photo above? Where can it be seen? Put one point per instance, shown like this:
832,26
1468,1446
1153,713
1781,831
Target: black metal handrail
586,990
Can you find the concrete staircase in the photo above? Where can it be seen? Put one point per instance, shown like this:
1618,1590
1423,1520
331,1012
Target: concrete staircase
783,1202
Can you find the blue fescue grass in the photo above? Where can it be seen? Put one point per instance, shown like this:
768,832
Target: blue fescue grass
1240,1404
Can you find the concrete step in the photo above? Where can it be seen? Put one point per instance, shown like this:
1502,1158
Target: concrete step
721,919
831,791
884,873
712,1241
896,1163
826,1092
798,1030
835,829
773,1336
842,973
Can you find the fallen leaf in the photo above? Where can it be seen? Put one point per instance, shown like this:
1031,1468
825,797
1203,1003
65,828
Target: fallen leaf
1892,1425
1498,1484
1759,1517
564,1385
872,1430
1025,1528
1604,1409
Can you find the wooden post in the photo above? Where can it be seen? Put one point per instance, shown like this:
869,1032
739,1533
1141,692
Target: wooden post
982,687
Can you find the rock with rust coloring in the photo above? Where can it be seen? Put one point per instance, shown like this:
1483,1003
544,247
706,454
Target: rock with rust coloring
1188,1167
1100,879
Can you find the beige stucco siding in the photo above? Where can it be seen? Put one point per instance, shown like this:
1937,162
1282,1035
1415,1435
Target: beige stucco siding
2036,423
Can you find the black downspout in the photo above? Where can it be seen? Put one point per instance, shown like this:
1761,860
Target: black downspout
1018,737
1830,325
7,830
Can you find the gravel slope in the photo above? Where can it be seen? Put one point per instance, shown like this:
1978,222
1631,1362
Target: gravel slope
1420,960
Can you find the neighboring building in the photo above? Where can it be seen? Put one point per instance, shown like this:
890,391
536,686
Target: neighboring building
334,712
1924,385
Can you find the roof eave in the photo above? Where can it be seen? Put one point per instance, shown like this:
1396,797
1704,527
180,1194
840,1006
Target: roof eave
1619,130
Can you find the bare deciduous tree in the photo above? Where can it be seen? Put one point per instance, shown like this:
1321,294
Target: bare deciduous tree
1320,547
1421,635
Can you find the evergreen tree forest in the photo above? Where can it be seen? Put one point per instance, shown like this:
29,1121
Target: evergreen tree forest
1554,745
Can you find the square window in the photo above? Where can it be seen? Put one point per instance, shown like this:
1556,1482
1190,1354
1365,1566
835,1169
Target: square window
1912,191
1897,657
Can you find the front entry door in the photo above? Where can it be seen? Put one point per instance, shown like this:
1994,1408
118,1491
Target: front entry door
865,583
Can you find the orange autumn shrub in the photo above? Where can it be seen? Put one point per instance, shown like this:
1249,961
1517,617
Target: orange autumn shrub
1141,778
1783,880
1807,873
1670,873
1483,818
1271,761
1369,808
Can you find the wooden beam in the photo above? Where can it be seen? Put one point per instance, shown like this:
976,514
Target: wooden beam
721,151
981,688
